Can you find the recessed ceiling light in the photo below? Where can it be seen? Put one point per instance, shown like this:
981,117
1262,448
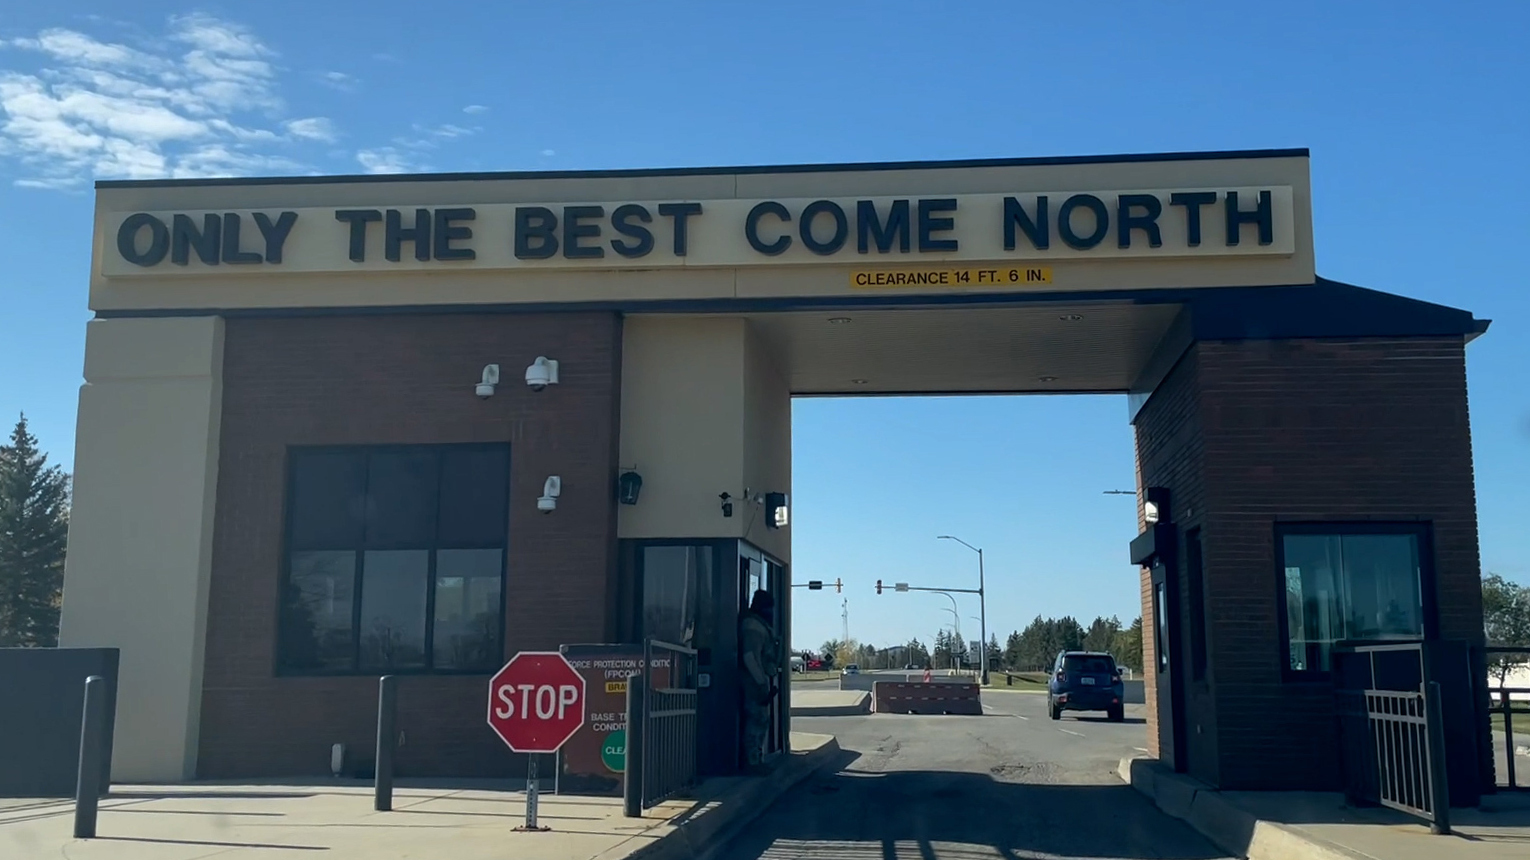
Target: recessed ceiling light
859,381
838,320
1071,317
1046,379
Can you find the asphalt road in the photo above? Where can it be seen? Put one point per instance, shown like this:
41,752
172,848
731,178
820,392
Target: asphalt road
1009,784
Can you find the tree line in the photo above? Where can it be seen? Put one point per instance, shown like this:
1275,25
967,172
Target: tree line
1034,648
34,530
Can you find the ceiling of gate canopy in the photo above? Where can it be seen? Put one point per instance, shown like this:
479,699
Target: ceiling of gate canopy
1077,347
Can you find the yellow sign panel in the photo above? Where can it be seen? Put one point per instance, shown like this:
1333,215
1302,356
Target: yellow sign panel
616,686
965,276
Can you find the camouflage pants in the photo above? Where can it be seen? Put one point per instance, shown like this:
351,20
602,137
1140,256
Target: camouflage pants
756,729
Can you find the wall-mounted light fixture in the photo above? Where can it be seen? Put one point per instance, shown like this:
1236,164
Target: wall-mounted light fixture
552,488
727,504
628,485
777,515
1155,505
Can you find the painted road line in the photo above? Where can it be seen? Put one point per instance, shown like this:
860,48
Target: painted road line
1075,734
1140,749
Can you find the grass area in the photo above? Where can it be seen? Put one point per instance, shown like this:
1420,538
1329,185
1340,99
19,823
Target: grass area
1027,681
1521,718
817,675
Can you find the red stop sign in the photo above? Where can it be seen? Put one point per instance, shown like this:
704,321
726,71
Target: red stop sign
536,702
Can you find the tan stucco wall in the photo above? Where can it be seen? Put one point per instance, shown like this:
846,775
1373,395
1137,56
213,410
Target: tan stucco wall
767,440
704,411
140,533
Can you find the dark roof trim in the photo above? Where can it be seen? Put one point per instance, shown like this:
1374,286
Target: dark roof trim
708,171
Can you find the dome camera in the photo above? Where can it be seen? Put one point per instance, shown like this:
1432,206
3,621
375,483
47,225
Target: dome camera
551,489
485,387
542,373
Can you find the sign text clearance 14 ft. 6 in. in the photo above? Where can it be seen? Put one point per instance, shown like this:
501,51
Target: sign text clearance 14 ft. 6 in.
536,702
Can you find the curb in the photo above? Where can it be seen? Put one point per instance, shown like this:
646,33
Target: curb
716,819
1228,826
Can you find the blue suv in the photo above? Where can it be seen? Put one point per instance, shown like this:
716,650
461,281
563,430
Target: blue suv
1086,681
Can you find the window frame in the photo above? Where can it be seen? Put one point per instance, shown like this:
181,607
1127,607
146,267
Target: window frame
360,550
1422,532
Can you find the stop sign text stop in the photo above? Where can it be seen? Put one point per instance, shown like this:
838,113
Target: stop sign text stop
536,702
548,700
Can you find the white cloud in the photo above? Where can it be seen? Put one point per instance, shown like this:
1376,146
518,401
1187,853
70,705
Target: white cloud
202,101
476,109
384,159
340,81
312,128
549,152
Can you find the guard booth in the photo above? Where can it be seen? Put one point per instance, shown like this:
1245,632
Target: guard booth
307,453
694,593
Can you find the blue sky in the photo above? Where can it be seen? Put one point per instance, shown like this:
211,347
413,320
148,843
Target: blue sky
1415,114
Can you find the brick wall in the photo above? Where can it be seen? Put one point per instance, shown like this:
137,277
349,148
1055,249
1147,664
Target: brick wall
1246,434
1321,430
1170,453
404,379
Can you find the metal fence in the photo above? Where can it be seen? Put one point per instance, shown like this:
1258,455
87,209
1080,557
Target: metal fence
1393,739
662,728
1507,703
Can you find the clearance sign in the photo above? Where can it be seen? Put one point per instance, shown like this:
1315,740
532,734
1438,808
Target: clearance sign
891,242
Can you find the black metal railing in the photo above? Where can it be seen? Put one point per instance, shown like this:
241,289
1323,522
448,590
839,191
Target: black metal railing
662,727
1507,701
1392,731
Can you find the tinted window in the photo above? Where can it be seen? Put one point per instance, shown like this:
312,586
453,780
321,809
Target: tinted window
401,498
468,609
474,496
328,498
1345,585
393,608
1089,664
396,559
316,610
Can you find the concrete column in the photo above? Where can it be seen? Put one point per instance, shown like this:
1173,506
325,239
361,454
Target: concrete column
704,411
141,528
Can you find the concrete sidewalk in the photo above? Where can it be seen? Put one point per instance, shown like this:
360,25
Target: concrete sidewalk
1299,825
199,820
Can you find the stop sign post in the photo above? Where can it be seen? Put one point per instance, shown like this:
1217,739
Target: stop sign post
536,703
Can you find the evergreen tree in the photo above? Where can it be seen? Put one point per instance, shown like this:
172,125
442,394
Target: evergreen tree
34,529
1102,634
1128,646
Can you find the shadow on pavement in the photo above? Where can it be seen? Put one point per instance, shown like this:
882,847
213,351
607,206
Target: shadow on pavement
943,815
211,844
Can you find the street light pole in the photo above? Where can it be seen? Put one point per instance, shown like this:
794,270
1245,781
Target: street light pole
982,607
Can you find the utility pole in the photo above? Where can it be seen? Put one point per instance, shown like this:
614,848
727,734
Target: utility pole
844,617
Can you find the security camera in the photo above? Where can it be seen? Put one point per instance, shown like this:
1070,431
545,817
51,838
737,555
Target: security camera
551,489
485,388
542,373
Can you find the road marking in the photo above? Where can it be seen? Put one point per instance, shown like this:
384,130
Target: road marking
1140,749
1022,716
1066,732
988,707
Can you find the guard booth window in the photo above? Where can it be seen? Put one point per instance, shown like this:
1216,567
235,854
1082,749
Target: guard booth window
1349,582
395,559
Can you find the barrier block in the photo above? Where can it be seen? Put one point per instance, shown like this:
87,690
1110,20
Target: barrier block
897,697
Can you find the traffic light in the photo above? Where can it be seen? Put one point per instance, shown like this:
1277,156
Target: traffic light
879,586
839,585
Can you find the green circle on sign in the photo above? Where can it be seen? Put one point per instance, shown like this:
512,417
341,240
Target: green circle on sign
613,751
